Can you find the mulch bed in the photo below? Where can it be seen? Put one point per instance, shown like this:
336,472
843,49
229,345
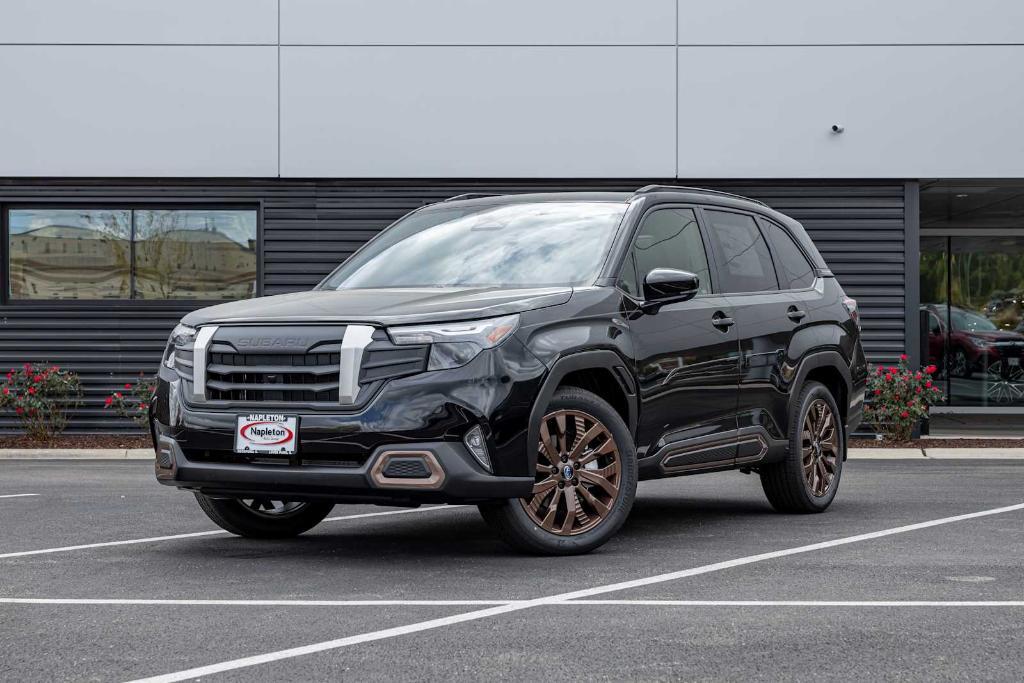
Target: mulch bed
939,443
80,441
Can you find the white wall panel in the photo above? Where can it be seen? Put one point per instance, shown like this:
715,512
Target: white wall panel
477,22
138,21
830,22
477,111
138,111
909,112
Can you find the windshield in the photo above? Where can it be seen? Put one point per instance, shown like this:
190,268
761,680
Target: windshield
516,245
971,322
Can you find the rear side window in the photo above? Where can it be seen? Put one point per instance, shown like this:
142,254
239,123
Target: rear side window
745,264
793,268
668,238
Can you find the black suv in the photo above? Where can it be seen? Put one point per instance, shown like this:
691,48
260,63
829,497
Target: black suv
535,355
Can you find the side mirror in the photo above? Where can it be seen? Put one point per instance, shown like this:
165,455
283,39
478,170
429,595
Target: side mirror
667,285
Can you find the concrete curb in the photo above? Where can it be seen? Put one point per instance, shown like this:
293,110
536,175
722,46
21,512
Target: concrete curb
886,454
76,454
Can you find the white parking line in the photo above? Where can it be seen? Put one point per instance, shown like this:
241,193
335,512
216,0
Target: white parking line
475,615
799,603
463,603
198,534
19,495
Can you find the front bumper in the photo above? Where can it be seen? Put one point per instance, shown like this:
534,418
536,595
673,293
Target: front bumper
461,480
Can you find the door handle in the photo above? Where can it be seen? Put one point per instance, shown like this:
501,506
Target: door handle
722,321
795,314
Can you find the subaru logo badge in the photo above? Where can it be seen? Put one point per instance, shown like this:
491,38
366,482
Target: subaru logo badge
567,471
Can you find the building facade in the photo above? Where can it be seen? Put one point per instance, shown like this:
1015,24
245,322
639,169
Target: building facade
156,156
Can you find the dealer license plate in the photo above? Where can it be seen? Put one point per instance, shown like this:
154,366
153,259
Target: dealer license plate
266,433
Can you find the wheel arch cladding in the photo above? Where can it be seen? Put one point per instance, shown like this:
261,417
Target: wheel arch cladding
596,371
827,368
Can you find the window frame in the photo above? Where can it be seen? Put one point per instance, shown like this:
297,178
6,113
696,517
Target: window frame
767,243
121,204
708,252
766,234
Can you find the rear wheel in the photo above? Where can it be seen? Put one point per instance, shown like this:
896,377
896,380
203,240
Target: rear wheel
263,517
585,480
808,479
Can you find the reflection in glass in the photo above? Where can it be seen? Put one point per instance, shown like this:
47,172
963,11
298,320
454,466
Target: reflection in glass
69,254
195,254
520,245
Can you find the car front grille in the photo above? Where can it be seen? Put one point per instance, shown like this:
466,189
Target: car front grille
301,365
295,377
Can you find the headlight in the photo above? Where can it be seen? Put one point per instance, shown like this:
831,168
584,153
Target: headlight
182,337
455,344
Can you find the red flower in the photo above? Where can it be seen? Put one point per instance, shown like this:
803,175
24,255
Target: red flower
27,366
904,414
878,392
117,394
143,406
7,391
127,386
31,390
878,371
888,378
928,384
917,391
903,356
930,369
19,410
38,378
109,400
892,370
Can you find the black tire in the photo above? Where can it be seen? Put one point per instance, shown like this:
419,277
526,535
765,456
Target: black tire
516,527
246,520
786,483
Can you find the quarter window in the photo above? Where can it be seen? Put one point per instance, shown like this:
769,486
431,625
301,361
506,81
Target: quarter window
745,262
793,268
93,254
668,238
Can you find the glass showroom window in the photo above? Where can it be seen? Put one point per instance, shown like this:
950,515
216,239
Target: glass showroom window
152,254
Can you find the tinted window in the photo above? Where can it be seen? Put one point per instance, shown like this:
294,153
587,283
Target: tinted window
792,267
746,264
668,238
517,245
195,254
70,254
132,254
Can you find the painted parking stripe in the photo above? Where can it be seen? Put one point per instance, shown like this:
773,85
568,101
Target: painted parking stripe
463,603
475,615
19,495
199,534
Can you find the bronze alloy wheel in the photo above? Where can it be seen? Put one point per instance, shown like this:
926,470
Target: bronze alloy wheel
820,448
272,508
578,474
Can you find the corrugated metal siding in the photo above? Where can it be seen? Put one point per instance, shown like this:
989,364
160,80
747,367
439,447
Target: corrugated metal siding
311,226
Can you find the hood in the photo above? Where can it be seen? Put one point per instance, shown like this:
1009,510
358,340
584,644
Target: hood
995,335
387,306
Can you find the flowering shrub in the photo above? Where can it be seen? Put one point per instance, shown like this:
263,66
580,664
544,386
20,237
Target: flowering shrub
136,404
41,396
899,398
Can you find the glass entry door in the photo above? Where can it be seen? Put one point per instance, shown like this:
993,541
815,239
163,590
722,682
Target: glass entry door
972,294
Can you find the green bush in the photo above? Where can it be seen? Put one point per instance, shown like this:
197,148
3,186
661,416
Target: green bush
900,398
41,395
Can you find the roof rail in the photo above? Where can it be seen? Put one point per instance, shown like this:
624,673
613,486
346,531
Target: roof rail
471,195
647,189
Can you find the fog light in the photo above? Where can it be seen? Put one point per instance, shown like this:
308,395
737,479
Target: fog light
477,445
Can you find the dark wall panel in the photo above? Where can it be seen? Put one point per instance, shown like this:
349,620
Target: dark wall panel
311,226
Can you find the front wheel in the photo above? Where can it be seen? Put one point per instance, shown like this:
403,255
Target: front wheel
263,517
808,478
585,481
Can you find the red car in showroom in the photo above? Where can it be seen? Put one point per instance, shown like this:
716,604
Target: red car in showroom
973,343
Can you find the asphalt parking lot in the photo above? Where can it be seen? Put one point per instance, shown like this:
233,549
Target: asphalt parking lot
917,572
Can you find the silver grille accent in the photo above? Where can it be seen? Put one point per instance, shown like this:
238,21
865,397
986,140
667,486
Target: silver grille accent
355,341
203,337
